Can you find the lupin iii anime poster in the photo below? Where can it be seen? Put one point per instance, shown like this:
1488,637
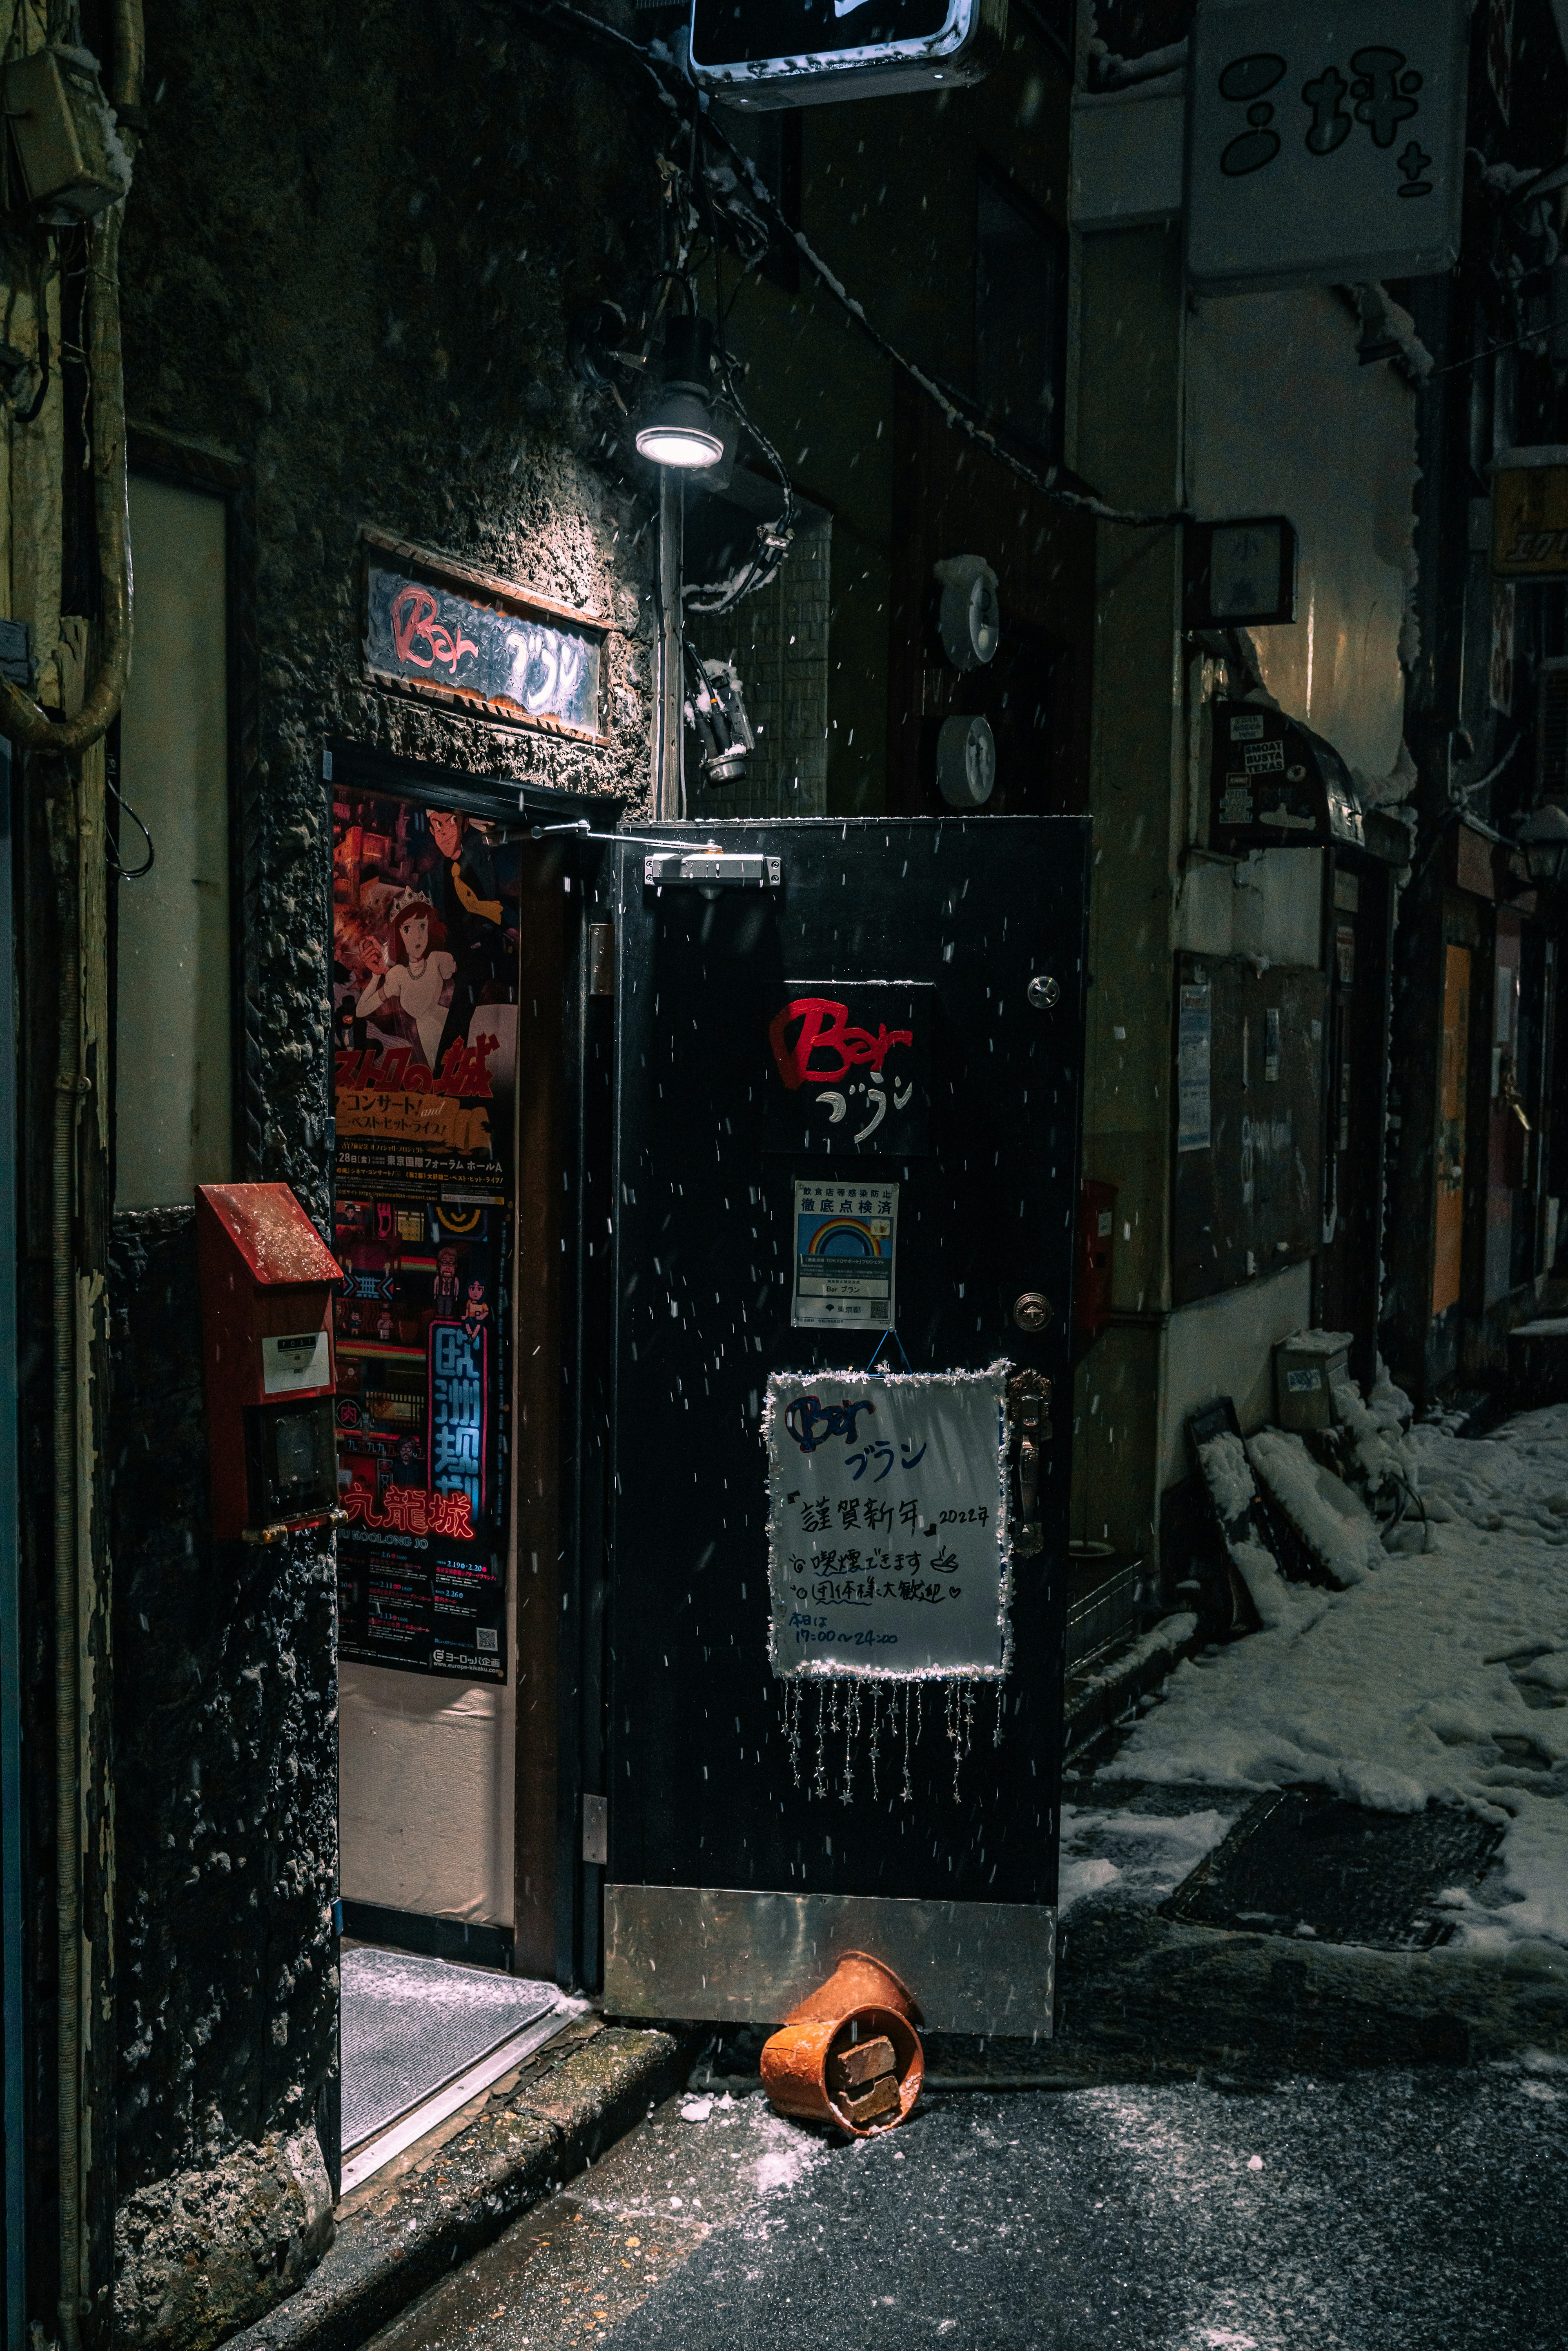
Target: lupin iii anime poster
425,1002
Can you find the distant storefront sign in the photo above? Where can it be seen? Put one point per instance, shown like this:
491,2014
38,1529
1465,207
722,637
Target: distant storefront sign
776,53
437,630
1529,514
1325,145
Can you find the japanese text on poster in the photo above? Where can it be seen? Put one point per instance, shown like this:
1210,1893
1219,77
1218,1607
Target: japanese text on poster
887,1523
424,1003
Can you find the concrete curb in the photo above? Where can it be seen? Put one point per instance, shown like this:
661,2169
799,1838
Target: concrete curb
458,2189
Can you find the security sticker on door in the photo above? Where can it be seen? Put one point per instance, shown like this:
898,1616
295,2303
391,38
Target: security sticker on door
844,1238
301,1360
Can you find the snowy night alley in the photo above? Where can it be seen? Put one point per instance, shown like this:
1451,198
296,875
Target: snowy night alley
1394,2212
783,1175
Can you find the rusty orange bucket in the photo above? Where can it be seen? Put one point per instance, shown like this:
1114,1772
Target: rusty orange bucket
809,2065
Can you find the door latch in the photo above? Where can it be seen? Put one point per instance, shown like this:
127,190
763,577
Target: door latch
1029,1427
711,870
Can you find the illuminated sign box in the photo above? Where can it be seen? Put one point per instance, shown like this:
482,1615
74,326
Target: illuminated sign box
1326,146
779,53
1530,513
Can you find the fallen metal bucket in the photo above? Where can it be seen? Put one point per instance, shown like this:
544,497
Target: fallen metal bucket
848,2054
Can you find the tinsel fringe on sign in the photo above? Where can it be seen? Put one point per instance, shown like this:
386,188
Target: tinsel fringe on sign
843,1710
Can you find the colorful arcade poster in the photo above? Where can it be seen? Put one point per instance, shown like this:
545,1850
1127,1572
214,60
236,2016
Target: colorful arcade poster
425,1011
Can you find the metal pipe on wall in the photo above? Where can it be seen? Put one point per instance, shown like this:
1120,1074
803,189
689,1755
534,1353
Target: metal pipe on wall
68,1758
669,795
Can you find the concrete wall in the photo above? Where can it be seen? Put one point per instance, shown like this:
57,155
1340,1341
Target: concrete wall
1280,418
349,260
1130,332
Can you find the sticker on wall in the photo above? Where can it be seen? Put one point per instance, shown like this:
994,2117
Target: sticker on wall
844,1241
1195,1032
850,1066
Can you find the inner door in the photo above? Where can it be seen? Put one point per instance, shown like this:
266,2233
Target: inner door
729,1887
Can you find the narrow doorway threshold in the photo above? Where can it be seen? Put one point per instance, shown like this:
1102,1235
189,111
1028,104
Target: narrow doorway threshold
423,2036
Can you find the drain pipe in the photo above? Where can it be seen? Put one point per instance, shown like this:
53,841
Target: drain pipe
28,724
69,1825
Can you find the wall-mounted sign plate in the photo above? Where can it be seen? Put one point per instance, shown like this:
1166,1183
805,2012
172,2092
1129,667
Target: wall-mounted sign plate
1529,514
1240,574
435,629
1276,785
779,53
1325,145
850,1066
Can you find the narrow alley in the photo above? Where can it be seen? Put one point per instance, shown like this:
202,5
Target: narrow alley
1391,2212
783,1173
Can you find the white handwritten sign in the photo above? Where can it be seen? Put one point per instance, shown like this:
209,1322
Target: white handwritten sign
887,1531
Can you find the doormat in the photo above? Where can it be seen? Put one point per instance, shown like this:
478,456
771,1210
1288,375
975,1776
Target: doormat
409,2025
1305,1862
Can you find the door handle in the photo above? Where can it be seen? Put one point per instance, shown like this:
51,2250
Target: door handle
1028,1424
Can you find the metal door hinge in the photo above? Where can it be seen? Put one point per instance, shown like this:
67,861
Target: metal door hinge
710,868
596,1831
602,958
1029,1426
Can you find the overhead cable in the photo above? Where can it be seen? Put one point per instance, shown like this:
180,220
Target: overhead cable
662,71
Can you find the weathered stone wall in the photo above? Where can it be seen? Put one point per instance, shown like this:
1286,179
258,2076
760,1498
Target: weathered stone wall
354,242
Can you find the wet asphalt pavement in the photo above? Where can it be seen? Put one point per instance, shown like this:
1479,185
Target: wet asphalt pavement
1389,2213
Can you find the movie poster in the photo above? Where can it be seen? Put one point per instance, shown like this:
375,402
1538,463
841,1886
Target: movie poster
424,996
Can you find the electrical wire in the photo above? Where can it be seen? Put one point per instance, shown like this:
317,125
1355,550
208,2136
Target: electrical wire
129,872
659,68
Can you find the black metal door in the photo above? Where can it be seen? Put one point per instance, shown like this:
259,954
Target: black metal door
955,918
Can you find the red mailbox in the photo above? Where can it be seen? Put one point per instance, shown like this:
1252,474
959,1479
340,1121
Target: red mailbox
269,1281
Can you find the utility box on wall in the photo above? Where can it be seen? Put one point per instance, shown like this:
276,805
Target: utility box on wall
268,1283
1247,1191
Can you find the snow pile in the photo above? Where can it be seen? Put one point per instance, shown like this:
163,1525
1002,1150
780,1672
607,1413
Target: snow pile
1436,1679
1224,1461
1228,1476
1335,1522
1145,1857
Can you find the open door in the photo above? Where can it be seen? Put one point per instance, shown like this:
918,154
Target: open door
938,967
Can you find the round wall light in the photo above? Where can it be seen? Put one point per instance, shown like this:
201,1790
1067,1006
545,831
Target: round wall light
680,430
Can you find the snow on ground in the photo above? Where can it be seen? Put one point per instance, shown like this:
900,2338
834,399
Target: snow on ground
1145,1856
1443,1676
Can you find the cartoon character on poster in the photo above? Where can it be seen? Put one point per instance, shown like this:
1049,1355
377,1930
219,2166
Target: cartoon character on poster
416,976
487,948
446,1289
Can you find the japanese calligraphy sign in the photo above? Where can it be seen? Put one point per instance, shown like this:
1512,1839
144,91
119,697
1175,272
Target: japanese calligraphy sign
439,630
887,1525
851,1069
1324,144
